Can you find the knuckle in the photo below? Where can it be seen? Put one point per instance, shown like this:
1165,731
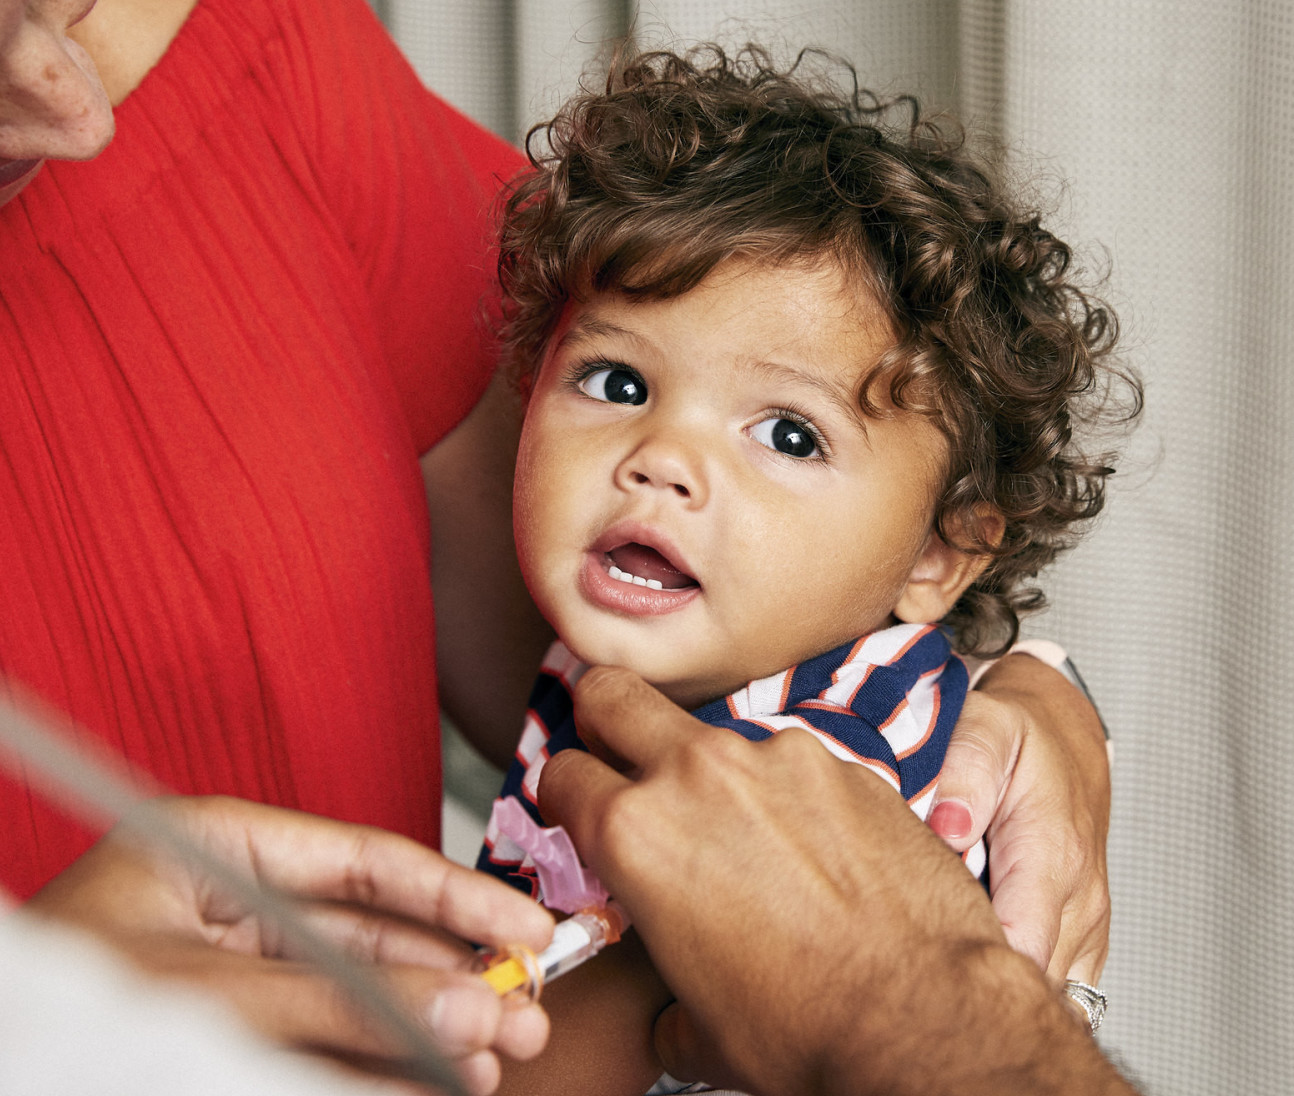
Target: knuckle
359,885
983,755
1093,911
600,683
337,1012
550,776
1079,866
991,720
794,747
711,755
1101,905
366,936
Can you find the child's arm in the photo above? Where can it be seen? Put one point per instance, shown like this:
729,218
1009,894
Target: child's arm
489,636
602,1015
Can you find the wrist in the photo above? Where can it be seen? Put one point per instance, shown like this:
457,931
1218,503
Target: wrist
977,1019
1048,696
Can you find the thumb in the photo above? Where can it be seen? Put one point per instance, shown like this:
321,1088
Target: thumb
977,768
688,1053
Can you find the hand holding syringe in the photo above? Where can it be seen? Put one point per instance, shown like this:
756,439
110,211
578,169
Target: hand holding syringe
581,936
565,885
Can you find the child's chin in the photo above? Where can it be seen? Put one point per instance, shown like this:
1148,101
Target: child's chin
689,695
641,663
655,659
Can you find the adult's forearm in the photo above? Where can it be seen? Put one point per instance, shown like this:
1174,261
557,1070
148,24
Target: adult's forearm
975,1020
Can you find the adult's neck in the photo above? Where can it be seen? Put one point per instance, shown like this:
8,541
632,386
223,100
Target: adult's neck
126,38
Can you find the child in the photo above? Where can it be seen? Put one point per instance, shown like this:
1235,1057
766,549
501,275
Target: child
801,387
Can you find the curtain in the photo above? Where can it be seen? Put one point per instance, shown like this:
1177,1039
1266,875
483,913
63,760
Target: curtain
1160,136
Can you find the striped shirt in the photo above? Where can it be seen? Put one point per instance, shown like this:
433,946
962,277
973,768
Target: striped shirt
887,701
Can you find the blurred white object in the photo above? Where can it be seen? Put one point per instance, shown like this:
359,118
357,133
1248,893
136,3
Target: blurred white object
74,1020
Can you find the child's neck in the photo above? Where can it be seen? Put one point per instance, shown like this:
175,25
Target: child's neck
691,698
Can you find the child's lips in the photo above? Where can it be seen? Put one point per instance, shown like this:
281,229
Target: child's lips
634,570
645,552
631,598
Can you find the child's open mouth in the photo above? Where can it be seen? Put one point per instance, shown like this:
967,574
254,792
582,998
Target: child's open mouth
642,565
632,571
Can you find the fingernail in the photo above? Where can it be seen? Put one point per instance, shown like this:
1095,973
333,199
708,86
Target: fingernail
950,819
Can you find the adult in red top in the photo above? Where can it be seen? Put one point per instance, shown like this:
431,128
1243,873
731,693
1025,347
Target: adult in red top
224,344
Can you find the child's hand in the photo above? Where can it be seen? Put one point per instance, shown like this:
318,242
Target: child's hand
1028,769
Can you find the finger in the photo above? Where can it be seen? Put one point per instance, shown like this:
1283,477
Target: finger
360,1079
479,1072
1087,963
624,720
976,770
318,858
524,1030
495,914
1084,937
293,1004
575,791
1084,941
1051,895
377,938
1029,905
377,1077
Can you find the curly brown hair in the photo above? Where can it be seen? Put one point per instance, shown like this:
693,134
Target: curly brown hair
683,161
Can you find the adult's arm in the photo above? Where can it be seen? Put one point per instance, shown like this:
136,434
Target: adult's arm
386,900
1028,770
819,938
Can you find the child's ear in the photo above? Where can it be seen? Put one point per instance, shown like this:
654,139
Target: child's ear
942,573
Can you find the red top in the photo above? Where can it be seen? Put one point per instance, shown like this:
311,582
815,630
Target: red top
223,345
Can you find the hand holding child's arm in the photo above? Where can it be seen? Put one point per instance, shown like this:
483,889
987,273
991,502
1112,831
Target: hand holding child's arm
1028,764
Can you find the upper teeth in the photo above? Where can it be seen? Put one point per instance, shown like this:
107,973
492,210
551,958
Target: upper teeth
637,580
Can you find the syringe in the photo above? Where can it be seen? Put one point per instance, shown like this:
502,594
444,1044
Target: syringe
581,936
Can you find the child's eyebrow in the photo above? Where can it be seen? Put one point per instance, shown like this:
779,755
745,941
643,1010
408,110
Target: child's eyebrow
591,327
844,397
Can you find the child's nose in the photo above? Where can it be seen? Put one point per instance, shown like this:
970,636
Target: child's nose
665,461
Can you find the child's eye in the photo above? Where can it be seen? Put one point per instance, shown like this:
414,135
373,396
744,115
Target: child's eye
795,439
614,386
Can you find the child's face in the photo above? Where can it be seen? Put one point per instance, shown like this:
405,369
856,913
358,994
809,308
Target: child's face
712,445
